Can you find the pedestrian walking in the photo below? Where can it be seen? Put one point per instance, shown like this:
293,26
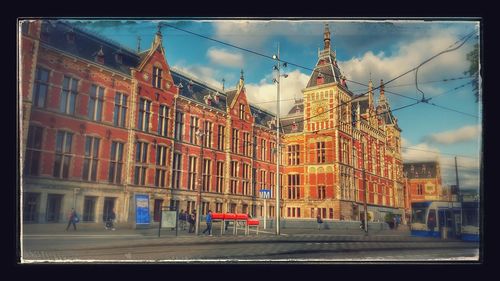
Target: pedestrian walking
192,220
319,221
182,220
72,219
209,223
109,220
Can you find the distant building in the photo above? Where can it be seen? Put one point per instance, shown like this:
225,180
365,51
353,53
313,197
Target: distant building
423,181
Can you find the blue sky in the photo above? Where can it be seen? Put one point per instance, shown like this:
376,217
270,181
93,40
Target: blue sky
365,48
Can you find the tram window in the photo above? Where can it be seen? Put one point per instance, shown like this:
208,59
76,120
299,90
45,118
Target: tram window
470,217
418,215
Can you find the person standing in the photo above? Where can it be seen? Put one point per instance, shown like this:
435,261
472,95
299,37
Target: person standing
319,221
112,218
209,223
192,220
182,219
72,219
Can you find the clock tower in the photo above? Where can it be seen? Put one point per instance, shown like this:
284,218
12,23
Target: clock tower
325,90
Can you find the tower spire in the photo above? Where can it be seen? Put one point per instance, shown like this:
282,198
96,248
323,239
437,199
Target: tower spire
370,94
326,37
158,36
382,95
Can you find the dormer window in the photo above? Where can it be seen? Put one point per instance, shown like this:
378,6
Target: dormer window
119,58
99,58
320,79
70,37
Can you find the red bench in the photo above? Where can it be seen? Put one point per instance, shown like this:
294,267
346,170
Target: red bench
235,218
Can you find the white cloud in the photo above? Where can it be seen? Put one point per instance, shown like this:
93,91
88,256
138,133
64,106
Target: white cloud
408,55
224,57
468,168
264,94
463,134
203,73
420,152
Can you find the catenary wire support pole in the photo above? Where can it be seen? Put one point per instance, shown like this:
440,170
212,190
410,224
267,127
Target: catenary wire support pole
276,80
200,135
364,187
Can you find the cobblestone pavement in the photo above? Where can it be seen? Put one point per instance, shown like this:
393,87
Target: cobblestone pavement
311,245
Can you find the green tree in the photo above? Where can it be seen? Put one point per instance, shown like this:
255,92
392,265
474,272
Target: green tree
473,71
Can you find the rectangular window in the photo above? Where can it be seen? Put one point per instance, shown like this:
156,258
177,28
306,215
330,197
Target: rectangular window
221,137
141,153
263,150
96,100
235,141
355,158
157,210
156,81
206,176
293,154
160,177
331,213
205,206
192,173
176,170
116,162
242,111
163,120
272,152
63,154
208,132
220,177
320,152
120,113
33,151
234,177
68,95
294,186
193,129
144,113
91,159
190,206
218,207
41,87
263,179
246,179
246,144
161,165
179,125
89,208
420,189
321,192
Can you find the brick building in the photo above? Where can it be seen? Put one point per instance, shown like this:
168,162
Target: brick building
328,135
423,181
103,124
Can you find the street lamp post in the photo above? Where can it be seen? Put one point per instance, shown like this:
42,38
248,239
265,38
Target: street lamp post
277,67
200,135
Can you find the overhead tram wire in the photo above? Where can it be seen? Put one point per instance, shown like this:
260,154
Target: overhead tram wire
464,39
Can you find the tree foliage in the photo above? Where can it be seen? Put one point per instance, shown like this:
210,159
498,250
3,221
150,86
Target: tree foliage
473,71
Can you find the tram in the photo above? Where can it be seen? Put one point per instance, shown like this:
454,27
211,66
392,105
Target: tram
436,219
470,219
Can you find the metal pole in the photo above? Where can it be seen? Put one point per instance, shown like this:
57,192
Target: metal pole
278,147
265,212
364,187
198,205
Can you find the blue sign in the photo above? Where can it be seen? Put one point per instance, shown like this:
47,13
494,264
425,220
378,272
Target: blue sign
265,193
141,209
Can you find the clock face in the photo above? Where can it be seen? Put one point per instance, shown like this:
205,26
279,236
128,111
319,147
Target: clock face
318,111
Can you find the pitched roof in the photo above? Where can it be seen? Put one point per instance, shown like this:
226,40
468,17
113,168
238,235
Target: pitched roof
86,45
420,170
262,117
288,127
199,91
326,67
